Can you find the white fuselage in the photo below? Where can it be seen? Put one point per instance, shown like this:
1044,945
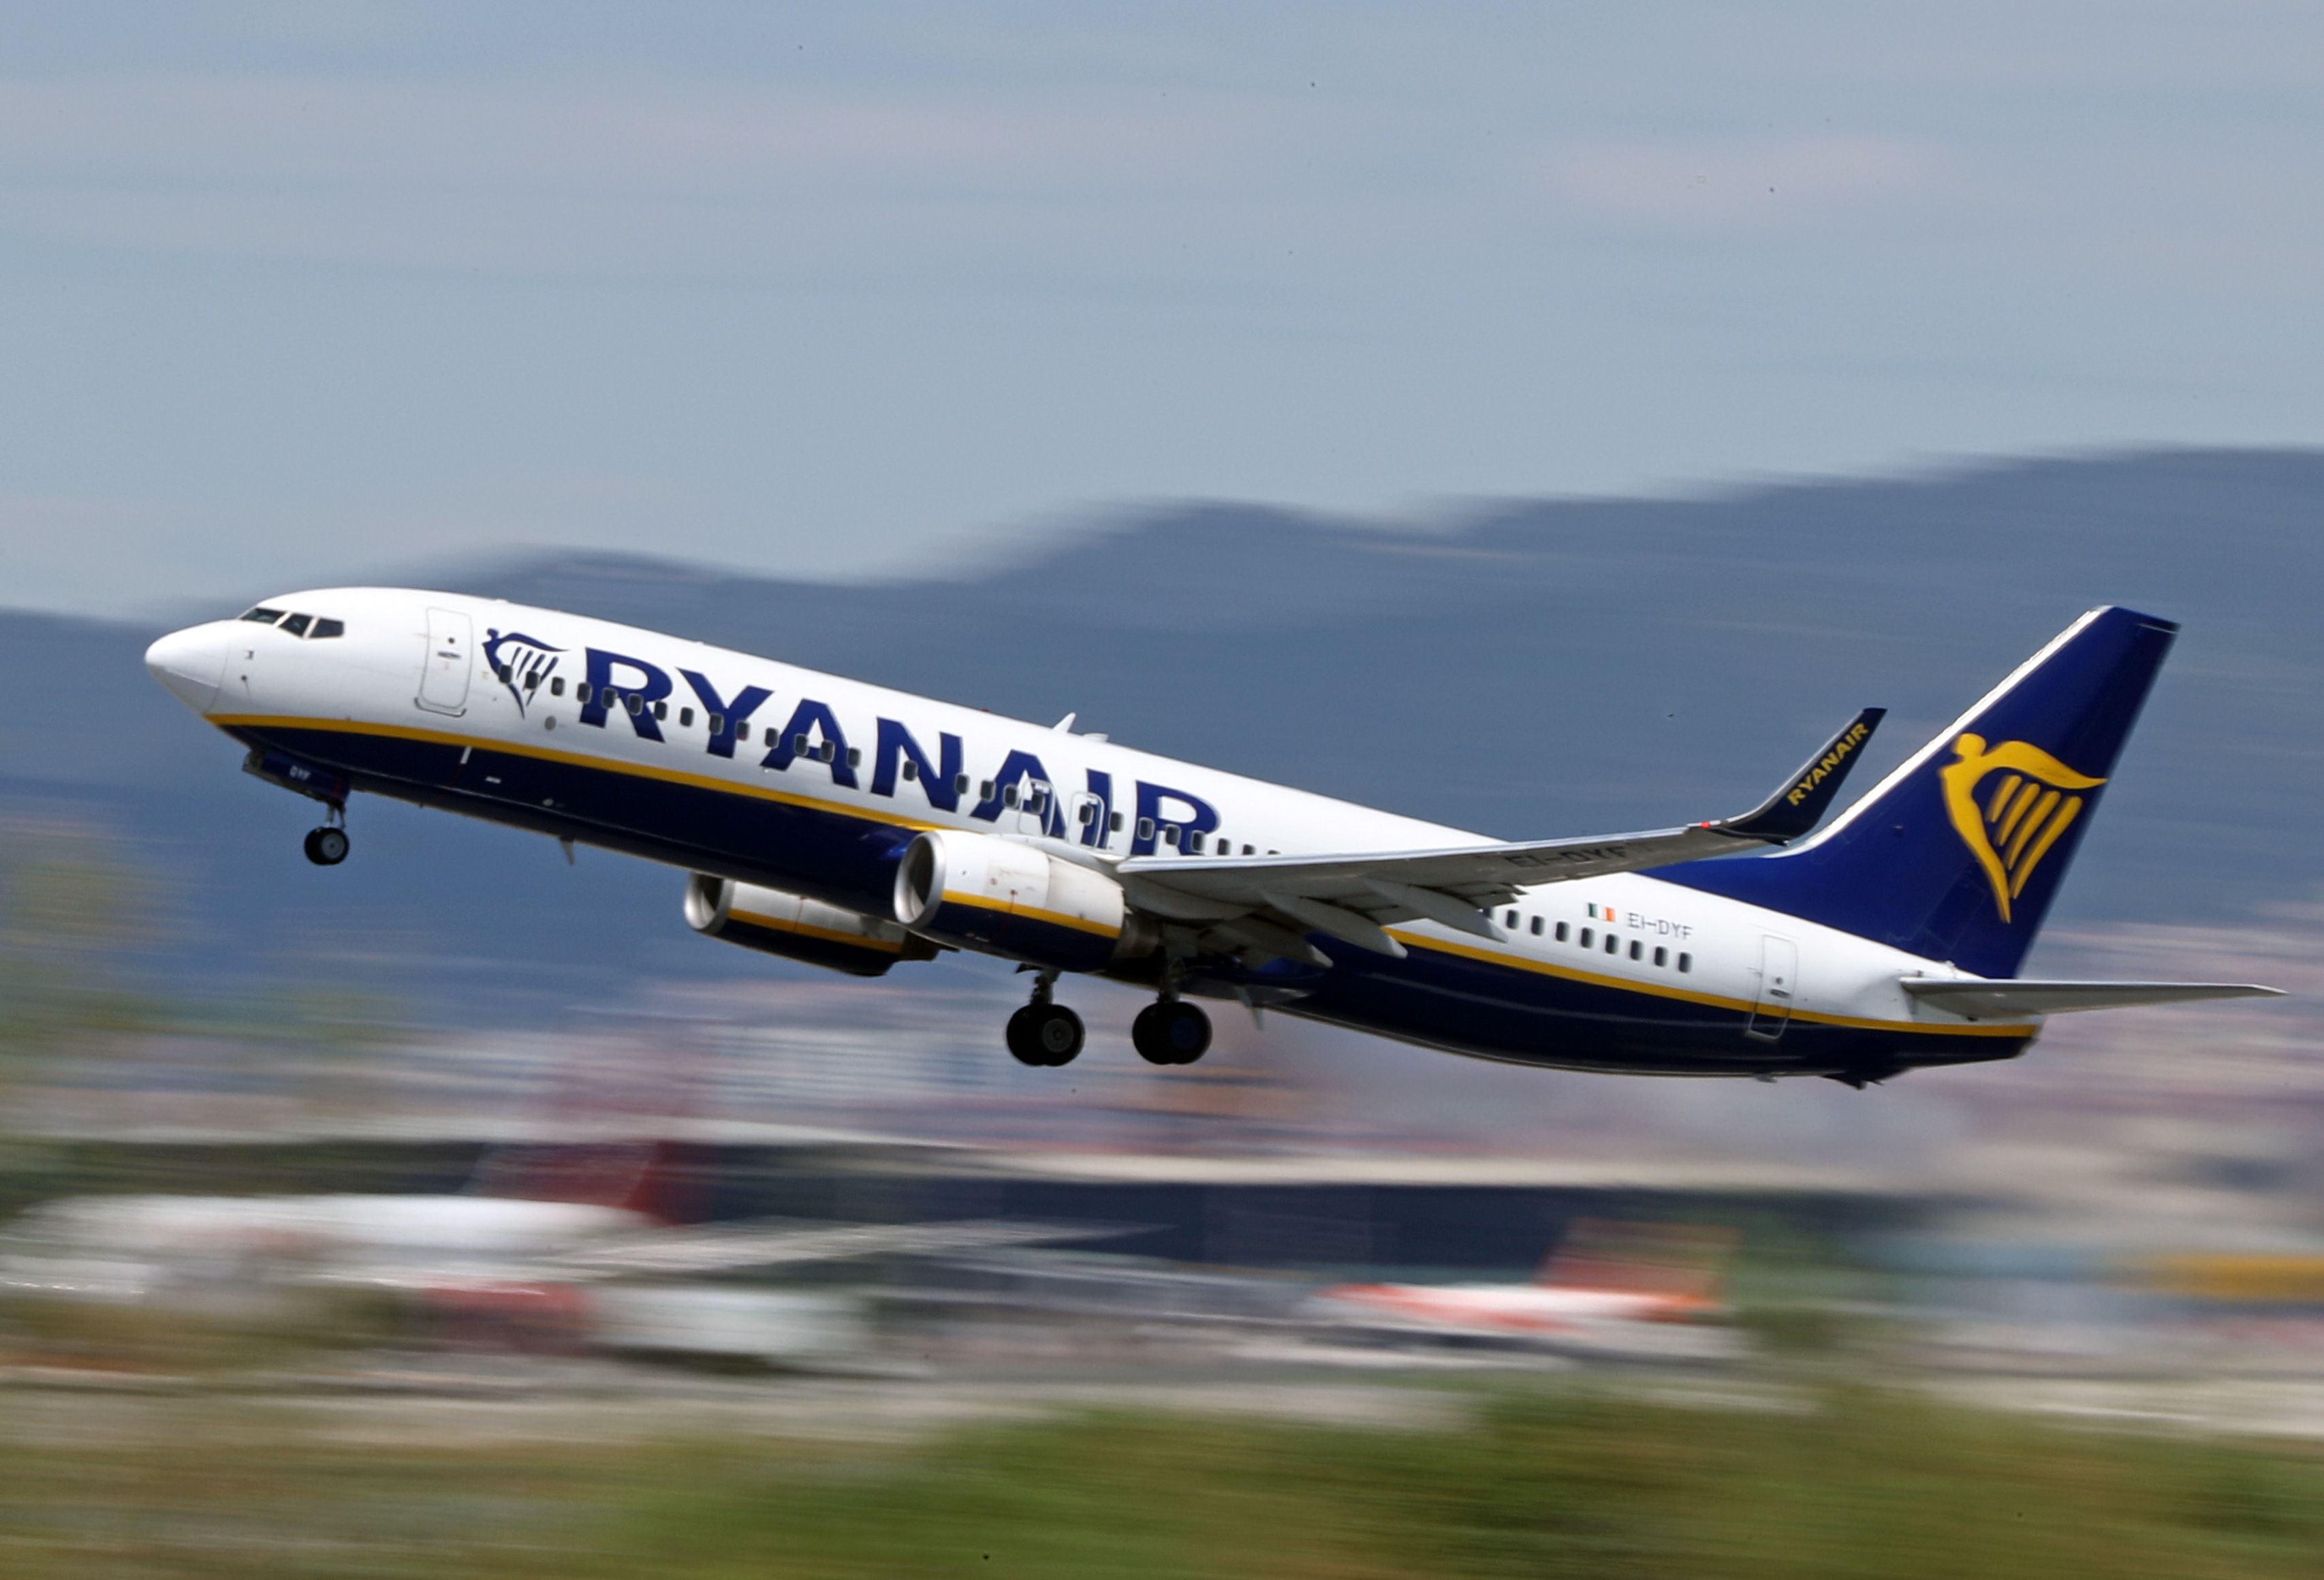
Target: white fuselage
409,700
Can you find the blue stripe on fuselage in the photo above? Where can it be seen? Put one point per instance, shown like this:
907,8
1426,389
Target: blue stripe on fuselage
1432,997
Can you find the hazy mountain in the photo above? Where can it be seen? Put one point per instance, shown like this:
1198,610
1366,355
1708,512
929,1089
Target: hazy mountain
1539,667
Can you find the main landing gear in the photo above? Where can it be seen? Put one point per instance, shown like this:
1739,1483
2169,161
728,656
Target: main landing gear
1171,1032
1044,1033
327,847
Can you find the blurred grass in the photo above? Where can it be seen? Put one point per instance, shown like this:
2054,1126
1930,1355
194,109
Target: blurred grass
1573,1482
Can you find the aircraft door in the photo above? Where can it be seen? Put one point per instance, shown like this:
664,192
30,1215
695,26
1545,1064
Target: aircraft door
1082,823
1038,811
1779,974
445,670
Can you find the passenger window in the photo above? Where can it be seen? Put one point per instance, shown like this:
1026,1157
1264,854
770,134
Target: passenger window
1589,938
1146,828
1194,842
799,745
826,750
716,724
581,692
855,757
297,625
685,719
1113,824
960,784
1008,796
1509,919
634,703
324,628
1637,948
1662,956
1245,850
1170,835
1613,944
1536,927
985,791
556,686
264,616
661,710
911,771
1687,962
505,673
1088,813
1562,930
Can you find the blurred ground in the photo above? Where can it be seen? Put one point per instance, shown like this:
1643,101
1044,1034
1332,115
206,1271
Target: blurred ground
2063,1314
1514,1482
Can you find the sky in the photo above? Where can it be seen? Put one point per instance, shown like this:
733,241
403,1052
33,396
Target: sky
300,292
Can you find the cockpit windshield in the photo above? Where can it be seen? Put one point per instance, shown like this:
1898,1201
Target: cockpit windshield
311,627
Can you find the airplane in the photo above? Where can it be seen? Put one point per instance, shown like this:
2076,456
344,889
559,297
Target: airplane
596,1263
1601,1282
856,827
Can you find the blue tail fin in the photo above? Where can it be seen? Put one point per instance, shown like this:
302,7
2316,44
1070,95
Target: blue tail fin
1957,854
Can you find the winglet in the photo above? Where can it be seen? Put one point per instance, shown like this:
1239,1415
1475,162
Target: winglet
1808,794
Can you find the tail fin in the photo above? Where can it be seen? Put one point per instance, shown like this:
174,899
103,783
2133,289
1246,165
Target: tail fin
1957,854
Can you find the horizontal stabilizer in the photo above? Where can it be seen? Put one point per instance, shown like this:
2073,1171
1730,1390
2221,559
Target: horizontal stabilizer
2000,1000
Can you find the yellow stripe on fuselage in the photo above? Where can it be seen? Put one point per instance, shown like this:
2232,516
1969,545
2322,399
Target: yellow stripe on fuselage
1687,995
571,759
792,799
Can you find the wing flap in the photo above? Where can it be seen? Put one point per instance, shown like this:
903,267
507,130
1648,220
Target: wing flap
2022,997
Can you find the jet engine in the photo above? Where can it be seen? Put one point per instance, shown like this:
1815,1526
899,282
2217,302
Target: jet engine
798,928
1003,896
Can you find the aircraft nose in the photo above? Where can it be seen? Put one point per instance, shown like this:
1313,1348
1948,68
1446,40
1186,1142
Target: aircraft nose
190,663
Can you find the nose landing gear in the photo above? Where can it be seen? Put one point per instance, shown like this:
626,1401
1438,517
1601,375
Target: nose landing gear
1170,1031
1044,1034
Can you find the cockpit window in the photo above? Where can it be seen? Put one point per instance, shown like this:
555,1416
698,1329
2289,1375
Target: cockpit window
324,628
297,625
264,616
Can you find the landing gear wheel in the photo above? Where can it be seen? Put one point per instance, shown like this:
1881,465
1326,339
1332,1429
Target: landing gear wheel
1172,1032
327,847
1046,1036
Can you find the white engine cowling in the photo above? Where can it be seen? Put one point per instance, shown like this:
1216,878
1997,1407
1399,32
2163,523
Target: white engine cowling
1003,896
778,922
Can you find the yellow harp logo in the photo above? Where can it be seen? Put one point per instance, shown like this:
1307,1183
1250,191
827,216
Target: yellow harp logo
2012,825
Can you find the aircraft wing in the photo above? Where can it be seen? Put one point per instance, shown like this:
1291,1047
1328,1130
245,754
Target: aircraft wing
2026,996
777,1243
1353,897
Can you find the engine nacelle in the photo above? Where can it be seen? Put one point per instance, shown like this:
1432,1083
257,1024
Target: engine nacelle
1003,896
798,928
